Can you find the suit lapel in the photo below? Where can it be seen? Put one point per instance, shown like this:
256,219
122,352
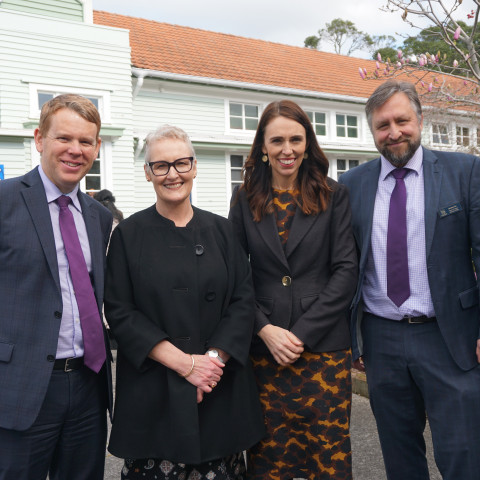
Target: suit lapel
269,232
367,203
300,226
432,179
37,206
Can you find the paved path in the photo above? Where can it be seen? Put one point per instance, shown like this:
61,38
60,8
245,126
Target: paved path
367,458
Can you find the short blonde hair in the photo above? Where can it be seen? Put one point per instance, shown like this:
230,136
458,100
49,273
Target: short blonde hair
167,132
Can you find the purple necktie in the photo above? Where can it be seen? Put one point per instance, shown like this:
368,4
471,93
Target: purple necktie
398,284
92,330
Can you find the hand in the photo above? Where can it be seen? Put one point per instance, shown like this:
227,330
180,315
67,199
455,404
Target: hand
285,347
478,350
359,365
199,395
207,372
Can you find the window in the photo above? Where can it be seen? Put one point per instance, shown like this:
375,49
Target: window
93,179
347,126
463,136
344,165
440,134
319,122
44,97
243,116
236,164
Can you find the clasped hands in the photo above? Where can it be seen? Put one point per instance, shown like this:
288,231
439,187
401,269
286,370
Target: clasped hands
285,347
206,374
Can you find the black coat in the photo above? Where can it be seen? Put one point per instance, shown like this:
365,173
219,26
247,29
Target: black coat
321,262
192,286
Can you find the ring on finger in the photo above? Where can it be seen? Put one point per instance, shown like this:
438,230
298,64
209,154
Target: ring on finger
214,384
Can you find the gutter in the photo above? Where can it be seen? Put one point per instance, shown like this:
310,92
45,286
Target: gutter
177,77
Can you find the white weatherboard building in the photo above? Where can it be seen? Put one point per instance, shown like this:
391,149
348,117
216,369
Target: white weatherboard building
142,74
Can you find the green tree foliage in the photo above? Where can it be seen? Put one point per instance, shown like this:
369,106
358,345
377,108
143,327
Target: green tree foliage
343,35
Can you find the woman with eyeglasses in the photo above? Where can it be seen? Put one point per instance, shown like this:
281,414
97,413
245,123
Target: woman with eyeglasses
179,300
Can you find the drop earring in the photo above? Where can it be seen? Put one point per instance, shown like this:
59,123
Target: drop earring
265,158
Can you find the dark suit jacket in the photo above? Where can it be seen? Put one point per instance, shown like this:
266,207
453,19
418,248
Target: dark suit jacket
30,297
321,260
452,235
192,287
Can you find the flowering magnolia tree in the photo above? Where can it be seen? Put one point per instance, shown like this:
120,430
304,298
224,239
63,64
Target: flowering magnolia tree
448,79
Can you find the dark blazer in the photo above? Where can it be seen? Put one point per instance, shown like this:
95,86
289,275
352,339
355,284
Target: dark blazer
319,258
452,235
30,297
191,286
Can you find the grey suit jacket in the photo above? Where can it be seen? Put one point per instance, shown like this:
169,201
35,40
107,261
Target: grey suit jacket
30,297
452,235
321,261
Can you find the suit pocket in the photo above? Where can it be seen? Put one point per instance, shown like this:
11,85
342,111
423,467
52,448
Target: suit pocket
6,350
469,298
307,302
265,304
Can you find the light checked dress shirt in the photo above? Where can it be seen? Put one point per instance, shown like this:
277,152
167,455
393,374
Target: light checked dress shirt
374,289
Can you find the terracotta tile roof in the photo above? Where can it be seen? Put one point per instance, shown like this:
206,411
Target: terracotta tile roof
191,51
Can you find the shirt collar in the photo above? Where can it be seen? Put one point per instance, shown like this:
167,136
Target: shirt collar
53,192
415,164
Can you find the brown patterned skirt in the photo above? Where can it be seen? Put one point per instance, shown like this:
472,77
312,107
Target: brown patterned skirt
307,413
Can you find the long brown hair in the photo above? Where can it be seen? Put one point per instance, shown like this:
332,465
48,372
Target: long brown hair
312,175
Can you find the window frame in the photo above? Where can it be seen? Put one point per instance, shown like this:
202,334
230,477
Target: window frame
243,117
314,123
441,135
346,126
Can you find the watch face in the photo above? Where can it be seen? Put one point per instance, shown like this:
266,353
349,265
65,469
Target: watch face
213,353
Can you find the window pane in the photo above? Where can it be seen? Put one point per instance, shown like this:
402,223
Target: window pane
236,123
95,167
44,98
236,175
352,132
351,121
340,119
251,111
320,130
92,183
310,116
251,123
352,163
319,117
236,109
236,161
340,131
341,165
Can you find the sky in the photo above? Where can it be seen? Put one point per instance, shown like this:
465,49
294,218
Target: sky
288,22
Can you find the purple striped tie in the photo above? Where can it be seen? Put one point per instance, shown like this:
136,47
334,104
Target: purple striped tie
398,284
92,330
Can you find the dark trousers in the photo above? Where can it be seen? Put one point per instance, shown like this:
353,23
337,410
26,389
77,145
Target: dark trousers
411,374
67,440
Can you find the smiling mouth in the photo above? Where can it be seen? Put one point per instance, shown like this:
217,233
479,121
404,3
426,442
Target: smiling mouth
173,186
286,161
70,164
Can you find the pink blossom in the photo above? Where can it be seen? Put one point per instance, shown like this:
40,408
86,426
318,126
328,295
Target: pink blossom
360,71
421,61
422,83
455,63
378,65
457,33
379,57
399,65
399,53
430,87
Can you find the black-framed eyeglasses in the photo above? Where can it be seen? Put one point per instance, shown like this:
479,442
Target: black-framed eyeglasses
181,165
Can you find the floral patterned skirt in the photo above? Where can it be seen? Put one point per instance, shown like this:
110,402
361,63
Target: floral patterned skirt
229,468
307,413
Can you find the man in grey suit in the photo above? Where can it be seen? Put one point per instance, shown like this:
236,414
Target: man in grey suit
415,315
53,396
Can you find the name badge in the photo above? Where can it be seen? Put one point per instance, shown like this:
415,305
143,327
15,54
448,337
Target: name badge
449,209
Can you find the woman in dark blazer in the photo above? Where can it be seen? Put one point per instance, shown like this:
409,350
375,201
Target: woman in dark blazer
294,223
179,300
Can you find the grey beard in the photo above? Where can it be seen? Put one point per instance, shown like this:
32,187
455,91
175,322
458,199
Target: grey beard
399,161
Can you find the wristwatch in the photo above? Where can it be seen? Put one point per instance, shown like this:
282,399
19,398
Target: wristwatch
214,354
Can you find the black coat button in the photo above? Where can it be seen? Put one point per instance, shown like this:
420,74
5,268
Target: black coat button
51,358
210,296
199,249
58,314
